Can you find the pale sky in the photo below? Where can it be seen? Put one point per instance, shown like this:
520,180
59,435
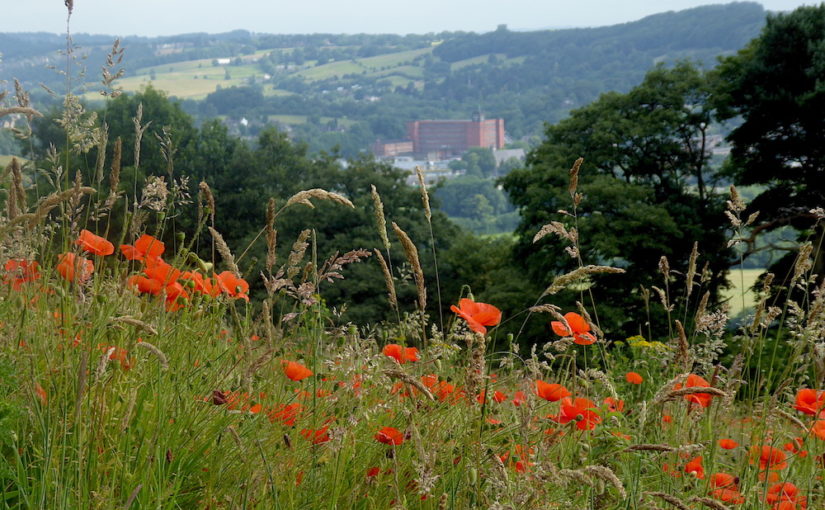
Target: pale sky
167,17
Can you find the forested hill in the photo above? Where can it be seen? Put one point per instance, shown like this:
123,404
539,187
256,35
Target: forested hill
348,90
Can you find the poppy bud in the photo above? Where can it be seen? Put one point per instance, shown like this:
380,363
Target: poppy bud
579,417
161,215
473,476
181,236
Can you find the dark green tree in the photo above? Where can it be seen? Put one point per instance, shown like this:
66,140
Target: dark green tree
645,184
776,85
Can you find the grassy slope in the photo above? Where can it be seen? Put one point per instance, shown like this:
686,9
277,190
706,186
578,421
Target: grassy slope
741,281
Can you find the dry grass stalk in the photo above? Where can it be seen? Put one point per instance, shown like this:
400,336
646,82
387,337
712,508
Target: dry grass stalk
133,495
114,174
126,319
557,228
29,112
380,220
650,448
666,388
791,418
606,474
302,197
130,406
676,394
574,177
425,197
694,254
235,436
803,262
139,130
102,143
710,503
103,362
296,255
673,500
404,377
385,270
664,267
584,313
702,308
561,282
206,191
412,257
16,203
271,235
475,368
225,252
266,317
162,359
683,359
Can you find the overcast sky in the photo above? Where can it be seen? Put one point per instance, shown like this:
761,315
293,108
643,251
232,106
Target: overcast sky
165,17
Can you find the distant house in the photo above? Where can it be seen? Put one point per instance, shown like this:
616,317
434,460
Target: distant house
223,61
390,149
439,139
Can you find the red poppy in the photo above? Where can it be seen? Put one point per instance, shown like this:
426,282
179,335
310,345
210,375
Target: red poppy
20,271
318,436
41,393
551,391
769,457
429,380
401,354
724,480
695,381
92,243
74,268
579,329
373,471
614,405
286,414
785,496
818,428
728,496
633,378
499,397
145,285
728,444
232,285
161,271
519,398
694,467
580,410
809,401
295,371
199,284
477,315
390,435
146,247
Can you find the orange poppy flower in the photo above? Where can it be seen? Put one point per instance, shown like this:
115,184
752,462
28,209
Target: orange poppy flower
41,393
724,480
695,381
728,496
694,467
579,410
477,315
200,284
614,405
429,380
233,286
633,378
286,414
809,401
769,457
390,435
519,398
92,243
145,285
295,371
499,397
161,271
20,271
146,247
401,354
579,329
785,496
551,391
818,429
318,436
728,444
74,268
373,471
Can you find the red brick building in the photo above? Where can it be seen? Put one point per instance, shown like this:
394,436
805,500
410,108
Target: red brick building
444,138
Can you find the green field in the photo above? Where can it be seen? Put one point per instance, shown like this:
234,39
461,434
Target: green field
741,283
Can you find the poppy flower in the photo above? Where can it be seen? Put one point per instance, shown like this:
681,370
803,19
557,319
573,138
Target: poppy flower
145,248
286,414
20,271
477,315
795,447
551,391
429,380
318,436
373,471
769,457
499,397
785,496
295,371
818,429
579,410
579,329
390,435
614,405
401,354
519,398
694,467
695,381
728,444
92,243
732,496
633,378
809,401
161,271
724,480
41,393
145,285
199,284
74,268
232,285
